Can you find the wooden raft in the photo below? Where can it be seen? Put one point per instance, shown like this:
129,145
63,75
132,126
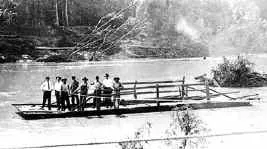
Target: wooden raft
179,99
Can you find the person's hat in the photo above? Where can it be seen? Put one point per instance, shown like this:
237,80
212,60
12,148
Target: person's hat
64,79
58,77
84,78
116,78
106,75
73,77
47,77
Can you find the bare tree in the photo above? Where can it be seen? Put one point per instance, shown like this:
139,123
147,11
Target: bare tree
57,16
66,13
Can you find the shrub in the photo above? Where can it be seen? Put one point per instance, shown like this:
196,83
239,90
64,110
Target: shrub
237,73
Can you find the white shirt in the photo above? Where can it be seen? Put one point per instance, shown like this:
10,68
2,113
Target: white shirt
64,87
91,89
58,86
47,86
108,83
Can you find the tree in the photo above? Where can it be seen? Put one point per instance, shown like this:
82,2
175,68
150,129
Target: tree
7,12
57,16
139,134
188,123
66,13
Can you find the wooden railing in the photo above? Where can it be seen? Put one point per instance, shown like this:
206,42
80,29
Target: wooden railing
155,87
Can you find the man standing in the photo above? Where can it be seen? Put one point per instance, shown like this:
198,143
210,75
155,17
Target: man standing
65,95
117,86
97,93
83,94
47,88
57,91
73,91
107,87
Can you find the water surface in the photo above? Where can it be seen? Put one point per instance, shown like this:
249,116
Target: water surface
20,83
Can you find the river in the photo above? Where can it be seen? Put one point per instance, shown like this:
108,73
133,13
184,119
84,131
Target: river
20,83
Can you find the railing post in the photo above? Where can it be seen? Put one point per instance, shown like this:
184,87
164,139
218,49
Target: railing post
135,95
157,94
183,91
207,89
186,91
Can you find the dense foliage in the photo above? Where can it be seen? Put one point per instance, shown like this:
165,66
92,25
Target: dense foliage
185,27
238,73
13,48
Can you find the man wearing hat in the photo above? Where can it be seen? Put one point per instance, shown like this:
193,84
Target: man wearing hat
65,95
107,86
73,91
47,88
97,93
58,90
83,94
117,86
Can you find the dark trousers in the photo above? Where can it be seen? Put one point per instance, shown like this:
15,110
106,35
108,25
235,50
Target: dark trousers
107,99
73,98
117,99
57,94
47,96
65,98
97,100
82,102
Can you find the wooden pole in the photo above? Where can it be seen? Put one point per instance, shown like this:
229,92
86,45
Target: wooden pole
186,91
183,92
135,95
223,94
157,94
207,89
180,93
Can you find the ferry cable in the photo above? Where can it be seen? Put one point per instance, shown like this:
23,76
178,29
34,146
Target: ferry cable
147,140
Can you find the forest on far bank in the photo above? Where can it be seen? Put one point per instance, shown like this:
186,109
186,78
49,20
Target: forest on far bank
184,28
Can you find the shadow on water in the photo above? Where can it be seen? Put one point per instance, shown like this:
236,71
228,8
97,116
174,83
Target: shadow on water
121,116
93,117
101,117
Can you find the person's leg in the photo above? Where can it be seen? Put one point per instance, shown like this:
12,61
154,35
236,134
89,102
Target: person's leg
98,99
68,101
58,100
83,103
63,101
44,99
73,99
79,105
49,100
109,97
119,99
104,98
77,99
94,99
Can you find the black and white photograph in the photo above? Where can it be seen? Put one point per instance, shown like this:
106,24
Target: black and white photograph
133,74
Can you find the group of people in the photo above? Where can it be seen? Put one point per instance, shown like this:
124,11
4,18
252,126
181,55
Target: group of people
81,93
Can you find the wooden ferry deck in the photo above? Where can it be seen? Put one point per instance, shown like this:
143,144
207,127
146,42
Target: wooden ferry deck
142,105
33,111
